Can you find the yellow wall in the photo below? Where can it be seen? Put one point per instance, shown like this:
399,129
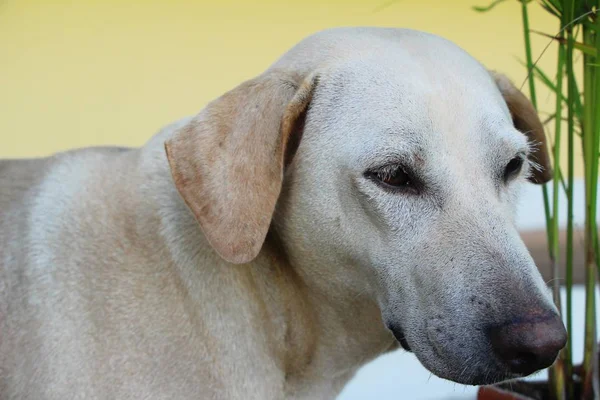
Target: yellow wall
92,72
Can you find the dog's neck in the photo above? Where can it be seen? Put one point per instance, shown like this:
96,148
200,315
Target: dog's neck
347,323
317,339
323,339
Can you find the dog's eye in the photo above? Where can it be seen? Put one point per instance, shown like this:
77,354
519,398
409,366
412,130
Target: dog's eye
513,168
393,176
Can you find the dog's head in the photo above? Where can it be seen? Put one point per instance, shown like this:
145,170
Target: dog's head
394,159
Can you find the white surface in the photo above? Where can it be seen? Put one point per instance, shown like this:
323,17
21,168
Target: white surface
399,375
530,215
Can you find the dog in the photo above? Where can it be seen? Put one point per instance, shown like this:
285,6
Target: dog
356,197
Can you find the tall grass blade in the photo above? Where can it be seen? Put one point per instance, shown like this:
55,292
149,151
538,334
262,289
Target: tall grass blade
572,95
533,98
557,371
488,7
587,49
590,151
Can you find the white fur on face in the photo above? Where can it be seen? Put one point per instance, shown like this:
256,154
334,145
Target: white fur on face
445,262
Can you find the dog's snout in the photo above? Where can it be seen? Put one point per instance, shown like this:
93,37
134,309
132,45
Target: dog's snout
529,344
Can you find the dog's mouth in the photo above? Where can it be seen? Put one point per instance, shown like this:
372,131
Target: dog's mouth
399,335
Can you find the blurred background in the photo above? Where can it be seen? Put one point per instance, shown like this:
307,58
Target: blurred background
107,72
96,72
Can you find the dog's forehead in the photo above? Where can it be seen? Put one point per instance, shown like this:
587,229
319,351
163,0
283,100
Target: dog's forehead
397,49
396,96
335,45
383,85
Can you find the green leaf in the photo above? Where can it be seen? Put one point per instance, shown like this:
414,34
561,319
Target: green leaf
589,50
552,7
585,48
542,77
551,11
538,73
488,7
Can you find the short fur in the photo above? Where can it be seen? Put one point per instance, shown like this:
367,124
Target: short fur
118,275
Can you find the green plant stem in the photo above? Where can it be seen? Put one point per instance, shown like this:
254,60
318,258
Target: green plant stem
533,97
572,94
590,151
554,245
538,73
557,388
558,369
528,56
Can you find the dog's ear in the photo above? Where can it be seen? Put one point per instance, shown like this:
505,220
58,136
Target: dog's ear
526,120
227,163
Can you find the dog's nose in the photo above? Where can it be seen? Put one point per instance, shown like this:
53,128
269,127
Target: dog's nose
529,344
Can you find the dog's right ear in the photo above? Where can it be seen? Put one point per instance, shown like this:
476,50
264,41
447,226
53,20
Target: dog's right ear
227,163
526,120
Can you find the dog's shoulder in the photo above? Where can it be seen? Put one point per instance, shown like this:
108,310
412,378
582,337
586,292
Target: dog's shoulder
16,177
24,181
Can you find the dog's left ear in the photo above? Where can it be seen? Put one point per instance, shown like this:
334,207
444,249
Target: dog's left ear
227,163
526,120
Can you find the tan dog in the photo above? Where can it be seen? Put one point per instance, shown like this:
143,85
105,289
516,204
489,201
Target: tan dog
367,181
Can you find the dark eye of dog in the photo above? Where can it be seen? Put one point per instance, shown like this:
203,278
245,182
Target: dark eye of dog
393,177
513,168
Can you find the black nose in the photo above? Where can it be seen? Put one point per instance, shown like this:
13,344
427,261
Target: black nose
529,344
